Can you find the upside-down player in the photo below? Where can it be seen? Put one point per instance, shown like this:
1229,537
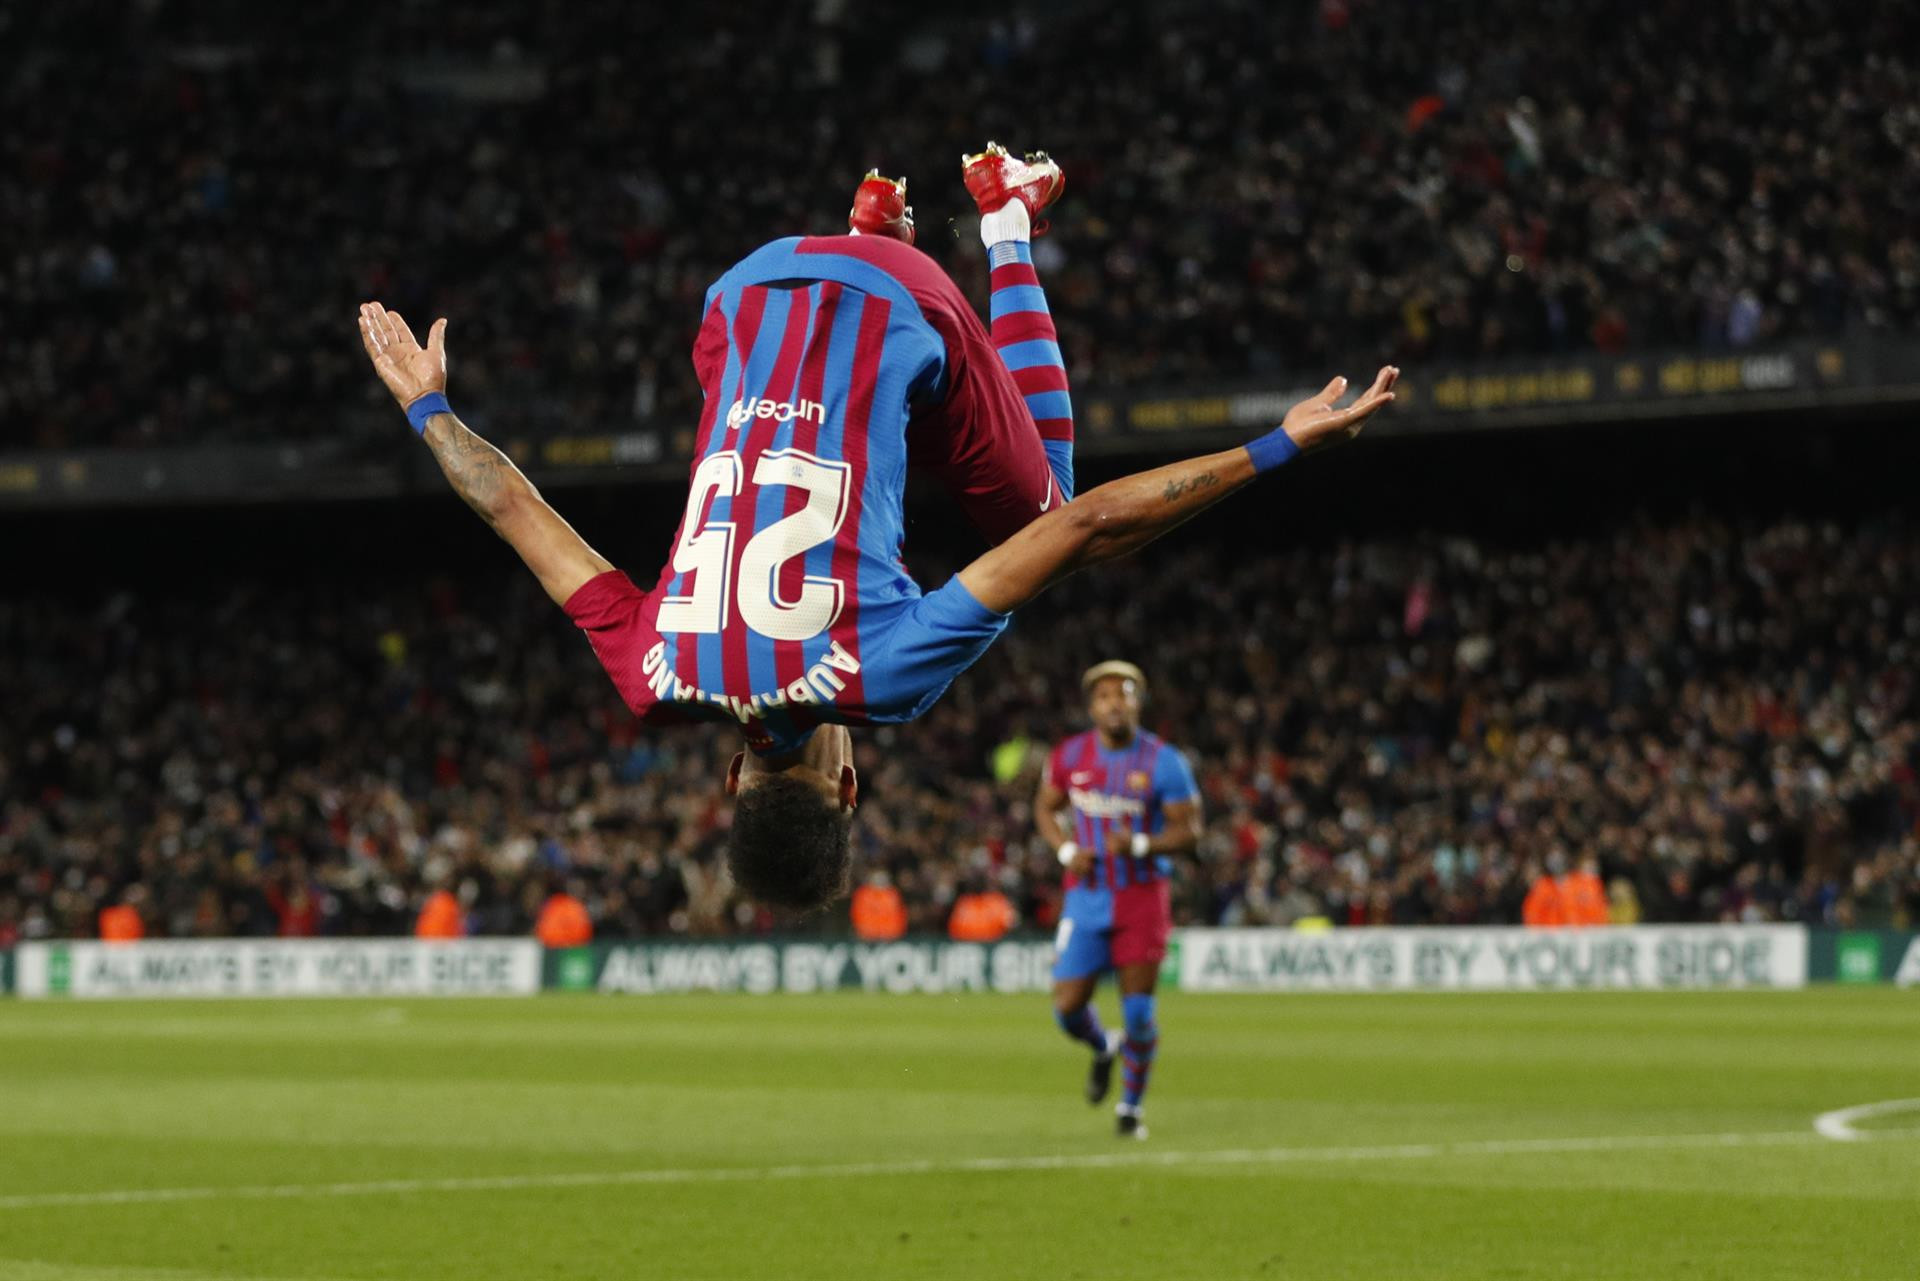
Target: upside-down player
828,363
1134,805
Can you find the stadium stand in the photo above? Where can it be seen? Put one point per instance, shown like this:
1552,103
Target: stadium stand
1256,189
1726,716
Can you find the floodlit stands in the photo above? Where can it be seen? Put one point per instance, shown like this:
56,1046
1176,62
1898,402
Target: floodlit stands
1726,717
1255,190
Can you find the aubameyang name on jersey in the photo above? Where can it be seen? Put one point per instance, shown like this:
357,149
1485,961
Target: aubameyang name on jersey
780,411
1104,805
821,684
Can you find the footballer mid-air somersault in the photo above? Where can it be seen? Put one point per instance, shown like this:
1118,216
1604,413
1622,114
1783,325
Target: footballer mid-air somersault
829,365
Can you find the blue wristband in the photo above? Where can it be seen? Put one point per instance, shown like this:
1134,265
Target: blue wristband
1272,450
434,402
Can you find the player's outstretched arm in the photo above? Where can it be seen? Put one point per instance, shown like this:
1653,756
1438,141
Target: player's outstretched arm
1121,517
479,473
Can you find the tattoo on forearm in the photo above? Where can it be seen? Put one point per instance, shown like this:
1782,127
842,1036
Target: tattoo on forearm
1189,485
476,470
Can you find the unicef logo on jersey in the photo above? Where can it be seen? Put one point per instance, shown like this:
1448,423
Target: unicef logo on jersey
780,411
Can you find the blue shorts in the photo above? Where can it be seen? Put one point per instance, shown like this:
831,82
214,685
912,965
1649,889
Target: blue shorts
1082,946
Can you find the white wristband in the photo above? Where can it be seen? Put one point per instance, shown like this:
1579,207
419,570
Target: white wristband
1068,853
1140,844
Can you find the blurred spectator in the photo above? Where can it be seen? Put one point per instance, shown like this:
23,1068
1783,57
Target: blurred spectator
440,917
1545,906
121,923
563,920
1583,898
981,915
877,912
294,905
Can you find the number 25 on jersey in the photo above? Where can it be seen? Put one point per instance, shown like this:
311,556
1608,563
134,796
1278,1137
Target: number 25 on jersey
706,551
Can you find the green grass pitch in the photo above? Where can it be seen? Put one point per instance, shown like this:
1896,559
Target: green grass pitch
868,1136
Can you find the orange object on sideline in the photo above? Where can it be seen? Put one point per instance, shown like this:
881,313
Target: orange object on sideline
563,922
121,924
878,913
1584,899
1545,904
981,918
440,917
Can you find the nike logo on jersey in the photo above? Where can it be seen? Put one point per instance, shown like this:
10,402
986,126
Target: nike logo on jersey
1049,502
1081,777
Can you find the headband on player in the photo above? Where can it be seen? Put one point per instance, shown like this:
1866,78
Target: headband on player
1113,667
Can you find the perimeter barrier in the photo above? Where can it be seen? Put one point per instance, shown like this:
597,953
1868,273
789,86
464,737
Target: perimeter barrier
1426,959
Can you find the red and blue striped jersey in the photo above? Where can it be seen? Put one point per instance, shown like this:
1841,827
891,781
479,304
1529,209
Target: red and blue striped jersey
784,603
1115,793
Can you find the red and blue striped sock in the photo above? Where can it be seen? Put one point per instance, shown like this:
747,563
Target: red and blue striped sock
1023,333
1137,1051
1136,1063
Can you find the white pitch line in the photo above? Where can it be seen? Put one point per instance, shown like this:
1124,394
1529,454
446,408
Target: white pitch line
1838,1124
883,1169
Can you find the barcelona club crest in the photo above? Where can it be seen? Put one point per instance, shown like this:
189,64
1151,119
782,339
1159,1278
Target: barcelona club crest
1139,781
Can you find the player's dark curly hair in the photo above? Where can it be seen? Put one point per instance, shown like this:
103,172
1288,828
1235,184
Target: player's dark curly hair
789,846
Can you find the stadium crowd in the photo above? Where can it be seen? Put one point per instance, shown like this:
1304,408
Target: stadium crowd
1724,719
198,192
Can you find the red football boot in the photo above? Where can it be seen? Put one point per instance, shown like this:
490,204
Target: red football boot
880,208
994,177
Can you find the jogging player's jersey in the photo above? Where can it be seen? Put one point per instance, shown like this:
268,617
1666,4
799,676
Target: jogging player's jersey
785,603
1115,794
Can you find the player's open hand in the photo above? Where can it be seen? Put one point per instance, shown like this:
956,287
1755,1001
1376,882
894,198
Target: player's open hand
1315,421
409,370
